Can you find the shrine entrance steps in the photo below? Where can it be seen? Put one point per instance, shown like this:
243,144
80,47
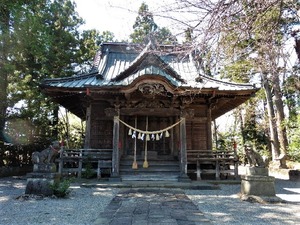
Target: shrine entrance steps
164,168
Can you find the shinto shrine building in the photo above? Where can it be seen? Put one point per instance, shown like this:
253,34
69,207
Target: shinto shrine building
147,104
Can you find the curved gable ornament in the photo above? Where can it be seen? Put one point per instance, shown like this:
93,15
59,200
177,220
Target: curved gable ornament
151,90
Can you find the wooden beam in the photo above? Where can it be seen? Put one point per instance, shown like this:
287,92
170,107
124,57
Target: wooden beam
150,111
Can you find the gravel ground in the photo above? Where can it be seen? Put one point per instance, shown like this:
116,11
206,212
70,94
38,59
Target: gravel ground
81,207
85,204
225,207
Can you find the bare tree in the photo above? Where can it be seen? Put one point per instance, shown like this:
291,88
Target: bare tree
238,31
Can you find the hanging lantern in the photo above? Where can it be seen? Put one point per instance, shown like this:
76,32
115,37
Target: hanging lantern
157,137
130,132
167,134
139,136
148,137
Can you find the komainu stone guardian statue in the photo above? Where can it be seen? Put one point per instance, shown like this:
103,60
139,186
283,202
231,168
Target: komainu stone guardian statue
254,158
257,183
44,171
47,155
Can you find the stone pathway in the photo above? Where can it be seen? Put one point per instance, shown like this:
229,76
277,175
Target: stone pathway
151,207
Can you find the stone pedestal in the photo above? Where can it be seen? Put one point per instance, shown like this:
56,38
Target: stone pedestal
44,168
40,180
257,182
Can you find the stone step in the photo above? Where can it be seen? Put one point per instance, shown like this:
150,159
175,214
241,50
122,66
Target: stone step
157,170
150,169
151,157
150,162
150,177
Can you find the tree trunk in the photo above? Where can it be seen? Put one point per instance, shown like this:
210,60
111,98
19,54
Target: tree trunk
271,117
55,123
4,69
280,116
240,116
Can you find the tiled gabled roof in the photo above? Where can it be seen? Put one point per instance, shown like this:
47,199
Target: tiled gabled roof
120,67
120,64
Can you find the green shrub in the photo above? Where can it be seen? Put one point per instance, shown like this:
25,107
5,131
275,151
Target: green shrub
61,188
88,172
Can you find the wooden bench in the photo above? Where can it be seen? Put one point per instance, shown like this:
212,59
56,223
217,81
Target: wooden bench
73,160
224,162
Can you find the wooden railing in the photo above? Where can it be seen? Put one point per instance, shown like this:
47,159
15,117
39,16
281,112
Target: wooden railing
224,162
73,160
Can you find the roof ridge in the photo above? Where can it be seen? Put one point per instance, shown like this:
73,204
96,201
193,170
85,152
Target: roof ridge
76,77
147,52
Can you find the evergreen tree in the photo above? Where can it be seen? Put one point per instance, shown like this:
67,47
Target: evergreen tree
89,44
46,44
145,26
8,9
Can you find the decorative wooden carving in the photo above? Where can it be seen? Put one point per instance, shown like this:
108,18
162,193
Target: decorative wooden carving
150,104
187,100
150,90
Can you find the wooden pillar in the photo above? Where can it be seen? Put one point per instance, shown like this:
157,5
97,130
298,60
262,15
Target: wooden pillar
209,132
183,155
115,175
87,140
172,137
183,150
115,156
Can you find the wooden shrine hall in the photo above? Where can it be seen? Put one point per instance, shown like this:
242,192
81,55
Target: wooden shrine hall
148,112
